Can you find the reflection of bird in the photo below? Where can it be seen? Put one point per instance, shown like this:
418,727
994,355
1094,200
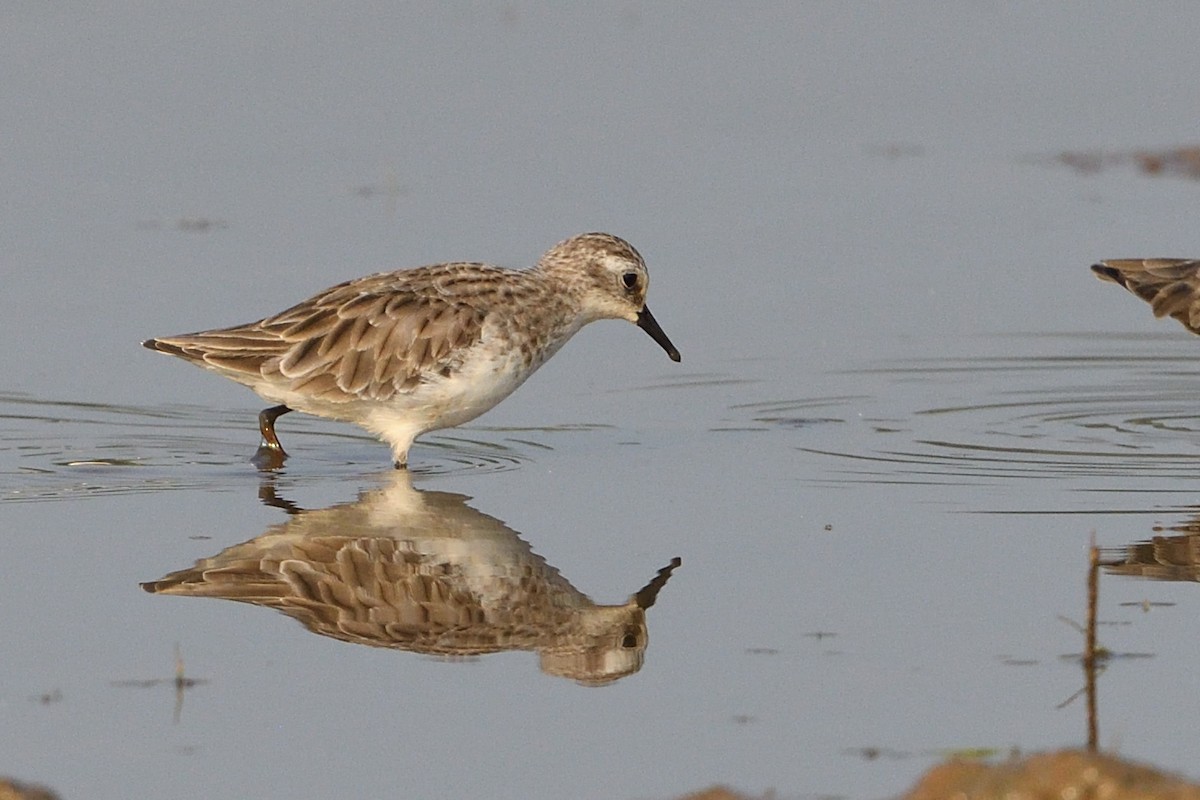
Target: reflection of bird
403,353
1170,285
1163,558
423,571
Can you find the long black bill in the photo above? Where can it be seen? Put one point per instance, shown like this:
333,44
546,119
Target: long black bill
646,322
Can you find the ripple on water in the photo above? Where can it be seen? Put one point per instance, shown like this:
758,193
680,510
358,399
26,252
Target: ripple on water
61,450
484,450
982,421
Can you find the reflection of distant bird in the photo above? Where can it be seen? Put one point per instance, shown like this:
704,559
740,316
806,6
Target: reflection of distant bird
423,571
1163,558
11,790
1170,285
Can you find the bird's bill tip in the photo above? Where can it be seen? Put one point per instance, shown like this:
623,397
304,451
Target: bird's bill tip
646,321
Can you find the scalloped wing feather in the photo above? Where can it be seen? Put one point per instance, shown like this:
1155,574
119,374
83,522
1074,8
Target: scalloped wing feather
370,338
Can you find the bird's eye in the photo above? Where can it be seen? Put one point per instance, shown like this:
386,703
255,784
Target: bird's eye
630,280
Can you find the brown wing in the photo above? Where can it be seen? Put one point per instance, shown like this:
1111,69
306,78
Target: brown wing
1170,285
369,338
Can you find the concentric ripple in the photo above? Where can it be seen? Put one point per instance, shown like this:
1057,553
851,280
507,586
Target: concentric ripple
61,450
981,421
483,449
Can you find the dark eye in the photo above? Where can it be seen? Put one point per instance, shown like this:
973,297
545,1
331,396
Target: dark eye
630,280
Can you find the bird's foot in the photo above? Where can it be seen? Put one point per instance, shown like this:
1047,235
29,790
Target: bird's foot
269,456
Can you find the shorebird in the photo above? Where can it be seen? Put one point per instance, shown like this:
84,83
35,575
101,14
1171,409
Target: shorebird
1170,285
407,352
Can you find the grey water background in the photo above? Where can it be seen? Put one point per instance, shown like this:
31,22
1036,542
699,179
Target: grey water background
904,405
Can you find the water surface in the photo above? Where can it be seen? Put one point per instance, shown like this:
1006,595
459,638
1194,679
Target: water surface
904,409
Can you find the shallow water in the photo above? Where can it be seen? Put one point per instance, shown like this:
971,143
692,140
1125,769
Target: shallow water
905,407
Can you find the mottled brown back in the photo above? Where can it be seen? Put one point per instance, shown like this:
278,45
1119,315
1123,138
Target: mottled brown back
368,338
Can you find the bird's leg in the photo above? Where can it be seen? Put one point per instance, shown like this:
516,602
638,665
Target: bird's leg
400,457
270,454
266,426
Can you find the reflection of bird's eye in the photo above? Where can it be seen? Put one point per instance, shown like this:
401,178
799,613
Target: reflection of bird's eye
630,279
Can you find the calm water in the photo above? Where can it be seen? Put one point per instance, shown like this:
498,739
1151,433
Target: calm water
904,407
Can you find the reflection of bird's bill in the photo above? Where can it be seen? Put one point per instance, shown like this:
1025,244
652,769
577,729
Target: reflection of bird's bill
646,321
649,593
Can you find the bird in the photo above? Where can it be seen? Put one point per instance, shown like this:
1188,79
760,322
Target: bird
1170,285
406,352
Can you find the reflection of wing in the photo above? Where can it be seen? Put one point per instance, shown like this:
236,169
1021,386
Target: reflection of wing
369,338
367,590
422,571
1170,285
